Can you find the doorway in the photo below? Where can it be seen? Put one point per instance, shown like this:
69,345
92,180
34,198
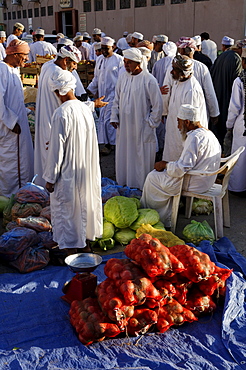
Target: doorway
67,22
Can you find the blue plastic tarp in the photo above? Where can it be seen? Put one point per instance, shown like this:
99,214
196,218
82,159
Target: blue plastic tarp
35,332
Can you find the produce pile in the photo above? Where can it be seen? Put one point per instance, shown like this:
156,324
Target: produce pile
154,289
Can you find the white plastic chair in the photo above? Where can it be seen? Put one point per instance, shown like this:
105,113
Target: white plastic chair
218,194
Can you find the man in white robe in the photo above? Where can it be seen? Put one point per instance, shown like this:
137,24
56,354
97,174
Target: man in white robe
40,47
160,67
2,48
158,52
106,74
236,128
201,151
208,46
183,89
17,32
97,36
72,169
16,149
122,43
136,112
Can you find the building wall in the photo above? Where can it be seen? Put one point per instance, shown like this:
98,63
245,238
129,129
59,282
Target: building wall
217,17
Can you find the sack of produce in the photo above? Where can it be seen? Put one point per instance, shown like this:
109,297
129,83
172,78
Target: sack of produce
202,207
214,282
45,212
155,258
197,264
142,320
35,223
11,225
7,216
196,231
46,240
31,259
167,238
15,241
199,303
3,202
173,314
106,181
124,236
121,211
145,216
32,193
122,269
108,192
25,209
90,323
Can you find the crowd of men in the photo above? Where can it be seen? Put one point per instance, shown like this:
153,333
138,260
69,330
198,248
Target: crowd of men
165,107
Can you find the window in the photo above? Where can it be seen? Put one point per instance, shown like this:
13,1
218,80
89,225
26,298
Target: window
98,5
9,15
178,1
157,2
18,14
87,6
140,3
110,5
13,15
29,13
24,13
125,4
36,12
50,10
43,11
4,16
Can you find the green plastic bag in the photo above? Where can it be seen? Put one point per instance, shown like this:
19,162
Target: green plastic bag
195,232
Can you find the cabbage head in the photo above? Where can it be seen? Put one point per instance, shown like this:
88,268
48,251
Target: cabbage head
124,236
159,225
121,211
108,229
137,202
145,216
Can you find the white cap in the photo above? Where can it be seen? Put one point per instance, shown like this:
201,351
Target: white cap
64,41
161,38
137,35
197,40
125,33
2,34
39,31
86,34
78,38
60,35
107,41
97,46
188,111
170,48
19,26
227,41
96,31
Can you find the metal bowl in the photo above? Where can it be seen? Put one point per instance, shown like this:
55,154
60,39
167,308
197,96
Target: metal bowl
83,262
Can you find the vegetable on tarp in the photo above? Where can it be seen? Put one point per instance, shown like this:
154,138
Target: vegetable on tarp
196,231
25,209
35,223
108,229
106,244
167,238
32,193
124,236
7,217
121,211
145,216
31,259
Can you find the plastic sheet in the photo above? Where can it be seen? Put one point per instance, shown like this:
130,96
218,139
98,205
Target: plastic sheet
35,332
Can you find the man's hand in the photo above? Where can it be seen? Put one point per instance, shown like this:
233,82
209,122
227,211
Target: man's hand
49,187
160,166
16,129
214,120
164,89
114,124
99,103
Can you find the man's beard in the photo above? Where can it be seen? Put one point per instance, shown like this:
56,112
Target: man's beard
183,133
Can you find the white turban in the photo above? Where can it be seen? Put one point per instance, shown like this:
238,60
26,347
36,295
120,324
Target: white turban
108,41
97,46
71,52
63,81
188,111
2,34
227,41
170,49
137,35
145,51
64,41
133,54
198,40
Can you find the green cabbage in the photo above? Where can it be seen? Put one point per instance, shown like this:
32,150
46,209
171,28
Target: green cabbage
202,206
137,202
159,225
124,236
121,211
145,216
108,229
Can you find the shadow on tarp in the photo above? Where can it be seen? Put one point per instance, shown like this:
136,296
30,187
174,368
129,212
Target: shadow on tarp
35,332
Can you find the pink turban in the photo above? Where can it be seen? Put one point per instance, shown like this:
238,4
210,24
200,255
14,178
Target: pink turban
70,51
185,42
17,47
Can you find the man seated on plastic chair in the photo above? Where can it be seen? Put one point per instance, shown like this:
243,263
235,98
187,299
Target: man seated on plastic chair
201,151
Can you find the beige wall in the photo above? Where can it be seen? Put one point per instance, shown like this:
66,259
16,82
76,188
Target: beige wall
217,17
